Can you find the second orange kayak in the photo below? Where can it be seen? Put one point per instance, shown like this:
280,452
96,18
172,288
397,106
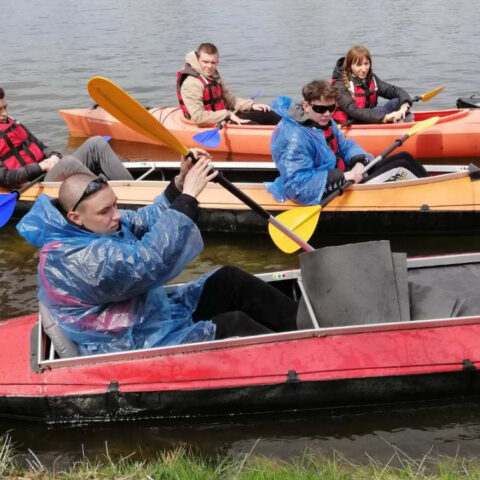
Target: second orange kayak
457,133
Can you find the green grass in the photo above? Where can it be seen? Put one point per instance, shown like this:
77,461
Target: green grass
181,464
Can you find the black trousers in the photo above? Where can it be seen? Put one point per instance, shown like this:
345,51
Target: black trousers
240,305
402,159
258,117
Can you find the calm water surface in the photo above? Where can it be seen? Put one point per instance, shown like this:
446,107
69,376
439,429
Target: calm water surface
50,50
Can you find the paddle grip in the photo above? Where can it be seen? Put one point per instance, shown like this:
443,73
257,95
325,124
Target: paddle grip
336,193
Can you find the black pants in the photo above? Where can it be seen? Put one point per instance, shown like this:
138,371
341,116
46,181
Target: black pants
402,159
258,117
240,305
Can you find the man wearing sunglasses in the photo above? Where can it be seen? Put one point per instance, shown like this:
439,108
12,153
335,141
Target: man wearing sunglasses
313,156
102,271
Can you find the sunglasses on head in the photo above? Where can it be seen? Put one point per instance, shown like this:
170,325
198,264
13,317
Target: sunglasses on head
323,108
93,187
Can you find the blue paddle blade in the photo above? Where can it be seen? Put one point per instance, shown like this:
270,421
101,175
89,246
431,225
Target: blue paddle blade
7,206
107,138
209,138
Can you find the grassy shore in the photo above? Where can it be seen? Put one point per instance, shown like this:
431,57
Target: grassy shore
182,465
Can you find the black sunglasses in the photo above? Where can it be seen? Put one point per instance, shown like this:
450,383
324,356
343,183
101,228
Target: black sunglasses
323,108
93,187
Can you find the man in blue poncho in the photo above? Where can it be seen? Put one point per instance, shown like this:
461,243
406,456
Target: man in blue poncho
102,271
313,156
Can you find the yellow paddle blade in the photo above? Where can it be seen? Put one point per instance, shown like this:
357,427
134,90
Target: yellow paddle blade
423,125
433,93
128,111
302,221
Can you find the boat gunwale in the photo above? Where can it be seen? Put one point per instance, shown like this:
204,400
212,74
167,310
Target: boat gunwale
362,186
256,340
447,115
281,275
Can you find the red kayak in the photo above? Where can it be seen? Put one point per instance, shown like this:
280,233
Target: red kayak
335,367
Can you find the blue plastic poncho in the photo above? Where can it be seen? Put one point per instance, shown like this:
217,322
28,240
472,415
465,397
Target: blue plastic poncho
303,158
106,291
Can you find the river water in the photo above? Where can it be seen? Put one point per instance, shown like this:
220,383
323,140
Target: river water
50,50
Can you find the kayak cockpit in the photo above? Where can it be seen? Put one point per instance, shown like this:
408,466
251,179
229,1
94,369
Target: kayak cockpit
50,347
443,291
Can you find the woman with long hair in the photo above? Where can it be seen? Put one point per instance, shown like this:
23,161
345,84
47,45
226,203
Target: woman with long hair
359,90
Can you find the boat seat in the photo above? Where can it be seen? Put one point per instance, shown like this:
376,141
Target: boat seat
63,345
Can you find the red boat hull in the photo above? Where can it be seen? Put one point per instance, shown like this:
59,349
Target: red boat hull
331,368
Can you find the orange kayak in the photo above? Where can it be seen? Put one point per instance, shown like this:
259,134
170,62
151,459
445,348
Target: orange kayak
457,133
447,203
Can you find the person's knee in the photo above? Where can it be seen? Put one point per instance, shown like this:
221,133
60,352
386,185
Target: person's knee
96,142
408,157
230,271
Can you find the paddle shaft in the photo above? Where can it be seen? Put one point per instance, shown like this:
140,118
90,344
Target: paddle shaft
225,183
384,154
261,211
387,151
127,110
19,191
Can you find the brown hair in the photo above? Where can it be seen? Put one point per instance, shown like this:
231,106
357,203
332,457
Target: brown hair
2,93
209,48
317,89
354,55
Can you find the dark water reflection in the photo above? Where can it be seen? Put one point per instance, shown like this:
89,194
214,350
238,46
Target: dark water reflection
441,430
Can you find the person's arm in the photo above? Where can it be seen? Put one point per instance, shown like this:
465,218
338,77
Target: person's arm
180,194
159,254
387,90
11,178
348,105
192,95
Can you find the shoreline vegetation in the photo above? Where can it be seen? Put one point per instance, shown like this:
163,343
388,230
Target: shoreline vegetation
182,464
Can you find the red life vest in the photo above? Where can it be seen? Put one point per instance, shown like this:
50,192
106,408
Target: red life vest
332,143
212,91
363,98
17,147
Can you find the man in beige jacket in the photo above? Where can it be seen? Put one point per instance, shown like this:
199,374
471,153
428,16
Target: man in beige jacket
204,98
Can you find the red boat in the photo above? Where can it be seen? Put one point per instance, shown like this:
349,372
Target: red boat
334,368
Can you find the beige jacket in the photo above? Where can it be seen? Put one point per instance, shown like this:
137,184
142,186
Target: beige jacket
192,94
